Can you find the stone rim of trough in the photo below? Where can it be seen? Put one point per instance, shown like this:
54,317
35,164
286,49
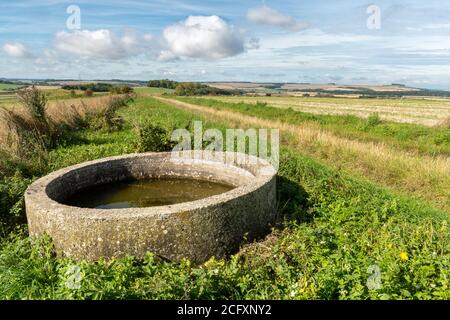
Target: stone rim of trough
263,173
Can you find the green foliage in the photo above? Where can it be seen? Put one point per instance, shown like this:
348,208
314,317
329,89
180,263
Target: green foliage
353,226
122,90
167,84
335,228
35,102
373,120
109,120
30,134
93,87
198,89
11,201
153,138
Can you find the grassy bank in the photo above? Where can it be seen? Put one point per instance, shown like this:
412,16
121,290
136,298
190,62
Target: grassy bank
424,176
336,230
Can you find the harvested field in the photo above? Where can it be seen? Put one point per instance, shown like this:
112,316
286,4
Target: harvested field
425,112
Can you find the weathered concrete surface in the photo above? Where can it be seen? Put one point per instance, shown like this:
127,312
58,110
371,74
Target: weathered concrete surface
198,230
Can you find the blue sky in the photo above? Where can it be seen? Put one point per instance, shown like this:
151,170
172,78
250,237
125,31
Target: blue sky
277,41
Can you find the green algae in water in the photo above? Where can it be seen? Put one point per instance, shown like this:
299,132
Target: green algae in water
146,193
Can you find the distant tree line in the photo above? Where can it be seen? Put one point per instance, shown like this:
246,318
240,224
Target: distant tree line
198,89
94,87
89,89
122,90
166,84
6,82
191,88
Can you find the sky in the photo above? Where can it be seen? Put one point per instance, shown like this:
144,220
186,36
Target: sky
300,41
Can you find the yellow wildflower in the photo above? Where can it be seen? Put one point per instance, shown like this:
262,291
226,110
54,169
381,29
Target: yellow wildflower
404,256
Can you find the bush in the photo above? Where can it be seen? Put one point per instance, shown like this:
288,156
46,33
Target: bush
122,90
167,84
29,133
108,120
12,211
198,89
373,120
88,93
35,102
153,138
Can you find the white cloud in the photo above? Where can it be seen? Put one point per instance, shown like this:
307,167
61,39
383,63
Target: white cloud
203,37
16,50
167,55
102,44
268,16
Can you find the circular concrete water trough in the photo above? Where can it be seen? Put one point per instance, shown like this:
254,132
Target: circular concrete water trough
197,230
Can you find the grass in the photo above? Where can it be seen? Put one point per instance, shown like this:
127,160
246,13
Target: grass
8,87
337,229
426,112
417,175
152,91
409,137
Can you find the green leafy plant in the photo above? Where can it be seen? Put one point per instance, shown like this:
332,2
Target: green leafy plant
153,138
373,120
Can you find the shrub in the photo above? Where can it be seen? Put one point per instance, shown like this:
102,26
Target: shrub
88,93
122,90
153,138
112,120
108,120
35,102
373,120
11,201
28,134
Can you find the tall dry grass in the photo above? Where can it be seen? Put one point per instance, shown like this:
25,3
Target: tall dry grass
445,123
72,111
21,138
25,138
424,176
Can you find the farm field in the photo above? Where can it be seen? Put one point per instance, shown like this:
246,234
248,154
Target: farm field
353,193
8,87
427,112
53,93
6,99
